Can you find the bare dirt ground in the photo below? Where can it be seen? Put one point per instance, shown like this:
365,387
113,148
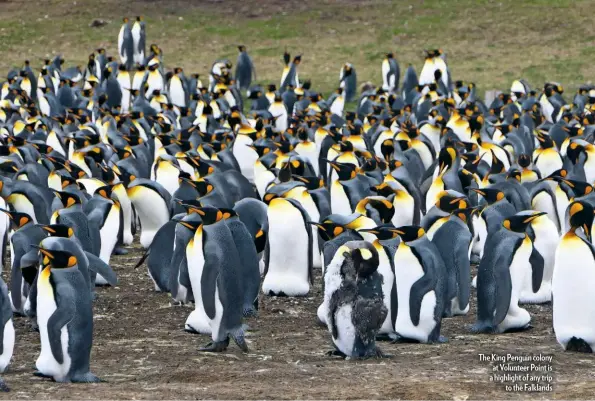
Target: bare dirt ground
142,351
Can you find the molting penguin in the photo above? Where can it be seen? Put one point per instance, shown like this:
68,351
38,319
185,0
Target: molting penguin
353,291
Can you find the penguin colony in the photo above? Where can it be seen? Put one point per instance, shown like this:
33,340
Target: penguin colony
393,202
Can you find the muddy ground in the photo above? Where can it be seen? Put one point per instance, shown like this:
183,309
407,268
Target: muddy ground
142,351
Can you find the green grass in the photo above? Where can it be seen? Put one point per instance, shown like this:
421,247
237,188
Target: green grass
489,43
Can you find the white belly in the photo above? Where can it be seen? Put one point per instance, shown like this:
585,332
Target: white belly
546,243
572,291
345,330
543,203
109,238
22,205
262,178
407,272
432,195
167,175
8,345
245,156
339,202
126,206
308,151
46,363
518,317
387,284
152,211
198,319
404,205
288,243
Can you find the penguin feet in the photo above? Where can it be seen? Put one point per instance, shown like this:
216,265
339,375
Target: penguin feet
86,378
378,354
528,326
238,337
250,312
216,346
37,373
440,340
3,386
120,251
399,339
335,352
34,326
190,329
482,328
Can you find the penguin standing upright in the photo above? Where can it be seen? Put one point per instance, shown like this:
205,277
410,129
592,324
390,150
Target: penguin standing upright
153,206
419,273
6,328
390,73
288,252
65,319
501,275
453,240
538,283
348,81
574,272
353,290
126,45
215,265
244,69
139,40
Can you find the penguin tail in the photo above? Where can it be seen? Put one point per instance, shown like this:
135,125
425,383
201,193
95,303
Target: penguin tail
238,337
142,260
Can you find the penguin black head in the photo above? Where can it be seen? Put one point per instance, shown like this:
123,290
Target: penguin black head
74,170
202,186
382,205
524,160
17,219
228,213
105,191
464,214
520,221
491,195
67,181
312,182
545,141
409,233
581,216
209,214
383,232
514,174
345,171
579,188
57,230
57,259
328,229
573,151
365,259
448,202
384,189
242,48
562,173
192,225
68,199
447,157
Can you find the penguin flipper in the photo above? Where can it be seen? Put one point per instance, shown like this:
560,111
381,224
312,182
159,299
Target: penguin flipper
100,267
394,303
503,293
537,266
63,314
418,291
183,274
208,285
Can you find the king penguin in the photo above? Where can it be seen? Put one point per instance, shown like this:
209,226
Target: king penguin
288,252
353,291
574,271
152,203
216,284
65,318
420,275
7,330
501,275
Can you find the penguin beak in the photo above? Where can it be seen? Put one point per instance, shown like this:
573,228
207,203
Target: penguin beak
478,191
313,223
533,217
